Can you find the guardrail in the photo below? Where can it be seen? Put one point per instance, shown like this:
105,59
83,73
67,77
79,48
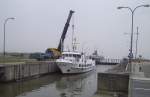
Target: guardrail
109,61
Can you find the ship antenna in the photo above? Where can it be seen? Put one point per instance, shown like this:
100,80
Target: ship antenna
73,48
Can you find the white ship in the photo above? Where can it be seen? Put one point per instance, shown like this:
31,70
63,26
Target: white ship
75,62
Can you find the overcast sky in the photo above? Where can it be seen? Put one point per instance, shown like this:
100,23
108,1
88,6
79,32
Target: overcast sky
99,25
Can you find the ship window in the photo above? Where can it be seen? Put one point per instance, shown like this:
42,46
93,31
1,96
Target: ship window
70,55
68,70
74,56
78,56
66,55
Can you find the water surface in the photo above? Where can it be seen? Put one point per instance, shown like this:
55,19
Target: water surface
58,85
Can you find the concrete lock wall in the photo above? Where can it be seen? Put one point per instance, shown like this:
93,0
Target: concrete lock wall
113,82
26,70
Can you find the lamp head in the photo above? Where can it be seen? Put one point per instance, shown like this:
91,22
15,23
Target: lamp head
12,18
119,7
146,5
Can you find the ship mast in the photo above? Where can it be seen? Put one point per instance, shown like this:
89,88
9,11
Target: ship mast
73,44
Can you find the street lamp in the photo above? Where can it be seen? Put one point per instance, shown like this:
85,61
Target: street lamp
11,18
131,44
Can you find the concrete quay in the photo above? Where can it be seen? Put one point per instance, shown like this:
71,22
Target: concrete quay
139,85
20,70
114,80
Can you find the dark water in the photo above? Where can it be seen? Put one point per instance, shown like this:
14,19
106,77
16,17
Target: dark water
57,85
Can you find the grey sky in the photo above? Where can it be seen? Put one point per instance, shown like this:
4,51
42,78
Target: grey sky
98,25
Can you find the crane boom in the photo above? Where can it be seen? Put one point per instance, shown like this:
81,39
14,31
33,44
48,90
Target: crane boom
54,53
60,46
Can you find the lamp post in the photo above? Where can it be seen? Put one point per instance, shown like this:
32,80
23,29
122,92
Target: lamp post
131,41
136,50
6,20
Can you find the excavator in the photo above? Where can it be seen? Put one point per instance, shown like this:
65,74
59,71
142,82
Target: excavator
54,53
